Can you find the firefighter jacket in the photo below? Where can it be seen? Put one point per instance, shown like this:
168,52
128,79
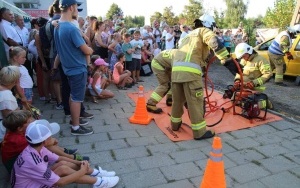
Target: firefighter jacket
281,44
192,53
257,69
163,60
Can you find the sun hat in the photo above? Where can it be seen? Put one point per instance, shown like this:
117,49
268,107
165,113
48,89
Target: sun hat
39,130
100,61
68,3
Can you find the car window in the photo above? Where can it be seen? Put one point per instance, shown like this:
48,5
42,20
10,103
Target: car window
297,48
265,45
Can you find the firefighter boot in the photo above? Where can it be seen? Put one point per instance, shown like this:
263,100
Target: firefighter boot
169,101
175,126
199,136
153,108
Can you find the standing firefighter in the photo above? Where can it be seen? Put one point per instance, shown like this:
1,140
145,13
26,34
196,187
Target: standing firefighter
187,74
161,66
280,47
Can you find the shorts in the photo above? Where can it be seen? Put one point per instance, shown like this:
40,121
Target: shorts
77,85
28,93
137,64
98,89
56,75
129,66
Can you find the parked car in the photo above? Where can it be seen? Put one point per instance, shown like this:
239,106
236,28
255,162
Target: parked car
292,66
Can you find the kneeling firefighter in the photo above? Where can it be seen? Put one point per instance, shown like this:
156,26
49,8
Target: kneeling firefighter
187,85
256,71
161,66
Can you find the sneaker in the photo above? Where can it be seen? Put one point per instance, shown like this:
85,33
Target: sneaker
81,131
108,182
86,115
70,151
81,122
104,173
59,106
81,158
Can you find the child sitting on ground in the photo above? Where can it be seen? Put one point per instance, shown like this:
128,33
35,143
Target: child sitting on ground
9,77
36,166
121,76
95,82
14,140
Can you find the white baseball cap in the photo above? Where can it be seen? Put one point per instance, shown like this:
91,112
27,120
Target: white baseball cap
39,130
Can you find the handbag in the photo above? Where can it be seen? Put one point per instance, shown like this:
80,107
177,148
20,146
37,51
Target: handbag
35,112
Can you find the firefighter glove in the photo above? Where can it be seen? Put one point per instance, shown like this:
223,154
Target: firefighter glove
250,85
289,56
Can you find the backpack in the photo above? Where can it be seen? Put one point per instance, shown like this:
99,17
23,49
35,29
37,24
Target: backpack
46,38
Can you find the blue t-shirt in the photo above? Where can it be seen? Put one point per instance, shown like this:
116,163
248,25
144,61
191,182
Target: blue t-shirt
125,48
68,40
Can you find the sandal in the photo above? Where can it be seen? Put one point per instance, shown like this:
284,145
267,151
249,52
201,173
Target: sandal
122,88
95,100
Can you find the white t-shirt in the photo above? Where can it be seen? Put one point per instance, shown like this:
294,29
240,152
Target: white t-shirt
7,102
24,34
32,48
169,44
25,79
156,33
8,31
156,51
137,54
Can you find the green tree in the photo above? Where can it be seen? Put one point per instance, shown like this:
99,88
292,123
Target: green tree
113,10
136,21
156,16
191,12
281,15
169,16
235,13
219,18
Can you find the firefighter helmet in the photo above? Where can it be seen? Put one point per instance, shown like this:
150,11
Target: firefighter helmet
242,49
207,20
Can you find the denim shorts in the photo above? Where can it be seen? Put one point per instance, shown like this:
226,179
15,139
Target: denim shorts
28,93
98,89
77,85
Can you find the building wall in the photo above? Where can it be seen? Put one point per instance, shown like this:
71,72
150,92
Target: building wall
39,8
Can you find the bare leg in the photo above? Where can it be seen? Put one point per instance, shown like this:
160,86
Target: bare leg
75,112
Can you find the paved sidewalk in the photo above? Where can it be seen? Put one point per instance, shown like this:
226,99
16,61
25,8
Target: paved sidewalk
261,157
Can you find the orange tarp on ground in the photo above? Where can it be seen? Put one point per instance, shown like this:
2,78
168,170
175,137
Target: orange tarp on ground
229,123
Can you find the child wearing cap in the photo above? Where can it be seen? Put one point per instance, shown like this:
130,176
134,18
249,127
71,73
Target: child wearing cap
95,81
14,141
36,166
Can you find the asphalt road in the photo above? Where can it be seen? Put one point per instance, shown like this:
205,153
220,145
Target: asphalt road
286,100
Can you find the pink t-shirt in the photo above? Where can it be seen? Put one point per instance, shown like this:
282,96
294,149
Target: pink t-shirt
31,169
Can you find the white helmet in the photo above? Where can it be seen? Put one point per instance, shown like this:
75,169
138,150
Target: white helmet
242,49
207,20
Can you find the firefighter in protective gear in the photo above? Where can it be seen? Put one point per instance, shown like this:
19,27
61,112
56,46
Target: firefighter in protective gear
186,78
161,66
280,47
257,69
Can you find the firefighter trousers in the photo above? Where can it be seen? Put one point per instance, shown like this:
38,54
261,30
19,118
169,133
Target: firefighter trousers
192,93
164,86
277,63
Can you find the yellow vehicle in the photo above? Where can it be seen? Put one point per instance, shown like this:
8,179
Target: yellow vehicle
292,66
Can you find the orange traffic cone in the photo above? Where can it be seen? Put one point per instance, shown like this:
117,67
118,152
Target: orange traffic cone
214,175
140,115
